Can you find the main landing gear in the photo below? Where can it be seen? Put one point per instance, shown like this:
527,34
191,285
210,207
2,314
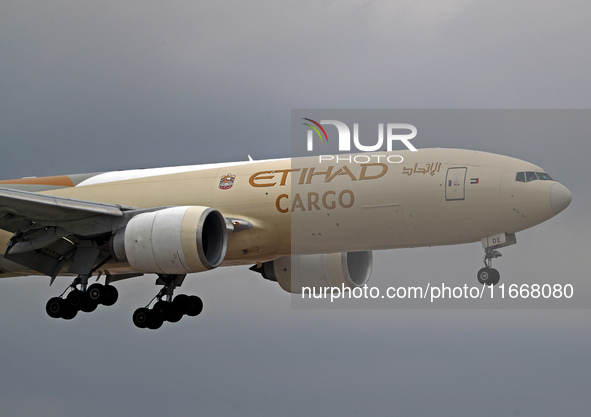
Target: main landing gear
488,275
167,308
81,299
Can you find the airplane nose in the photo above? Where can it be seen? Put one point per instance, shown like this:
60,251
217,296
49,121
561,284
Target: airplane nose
560,197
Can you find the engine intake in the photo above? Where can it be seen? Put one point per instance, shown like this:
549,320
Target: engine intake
351,269
176,240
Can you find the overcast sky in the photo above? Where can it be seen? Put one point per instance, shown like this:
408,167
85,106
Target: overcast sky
88,87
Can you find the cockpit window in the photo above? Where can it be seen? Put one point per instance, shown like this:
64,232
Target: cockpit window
528,176
543,176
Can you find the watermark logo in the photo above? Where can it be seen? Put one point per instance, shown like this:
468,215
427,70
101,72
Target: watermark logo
315,126
402,132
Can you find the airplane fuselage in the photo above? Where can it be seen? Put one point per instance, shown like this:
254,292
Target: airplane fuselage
308,205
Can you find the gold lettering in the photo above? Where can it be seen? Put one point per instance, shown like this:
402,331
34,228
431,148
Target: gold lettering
303,176
342,171
330,205
313,201
312,173
435,168
285,172
364,167
351,199
297,203
345,199
255,177
281,210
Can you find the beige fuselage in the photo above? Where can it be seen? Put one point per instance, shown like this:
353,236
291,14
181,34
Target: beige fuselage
360,202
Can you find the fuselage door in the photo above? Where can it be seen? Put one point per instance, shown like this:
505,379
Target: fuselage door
455,184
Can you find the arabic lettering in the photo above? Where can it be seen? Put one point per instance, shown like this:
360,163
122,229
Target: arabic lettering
431,168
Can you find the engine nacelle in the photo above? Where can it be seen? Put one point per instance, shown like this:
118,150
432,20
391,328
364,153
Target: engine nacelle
176,240
351,269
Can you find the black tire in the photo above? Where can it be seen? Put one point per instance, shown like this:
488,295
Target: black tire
154,321
496,276
111,295
195,306
96,293
141,317
161,309
89,306
174,313
485,276
69,312
181,302
77,299
55,307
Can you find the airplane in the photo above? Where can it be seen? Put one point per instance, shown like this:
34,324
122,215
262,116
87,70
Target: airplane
302,222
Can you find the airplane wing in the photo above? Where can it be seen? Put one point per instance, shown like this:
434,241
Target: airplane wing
50,230
45,226
19,209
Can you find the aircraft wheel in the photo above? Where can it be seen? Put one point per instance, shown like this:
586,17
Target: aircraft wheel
154,322
485,276
161,309
76,299
69,312
96,292
174,313
181,302
89,305
496,276
195,306
141,317
111,295
55,307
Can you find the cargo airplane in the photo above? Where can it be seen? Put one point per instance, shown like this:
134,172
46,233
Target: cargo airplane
302,222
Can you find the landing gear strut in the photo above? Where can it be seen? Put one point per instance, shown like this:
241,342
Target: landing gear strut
167,308
488,275
81,299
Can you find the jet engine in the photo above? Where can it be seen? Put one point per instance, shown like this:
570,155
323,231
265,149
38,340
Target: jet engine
348,269
176,240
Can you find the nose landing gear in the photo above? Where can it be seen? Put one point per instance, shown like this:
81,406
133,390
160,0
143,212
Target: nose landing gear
488,275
